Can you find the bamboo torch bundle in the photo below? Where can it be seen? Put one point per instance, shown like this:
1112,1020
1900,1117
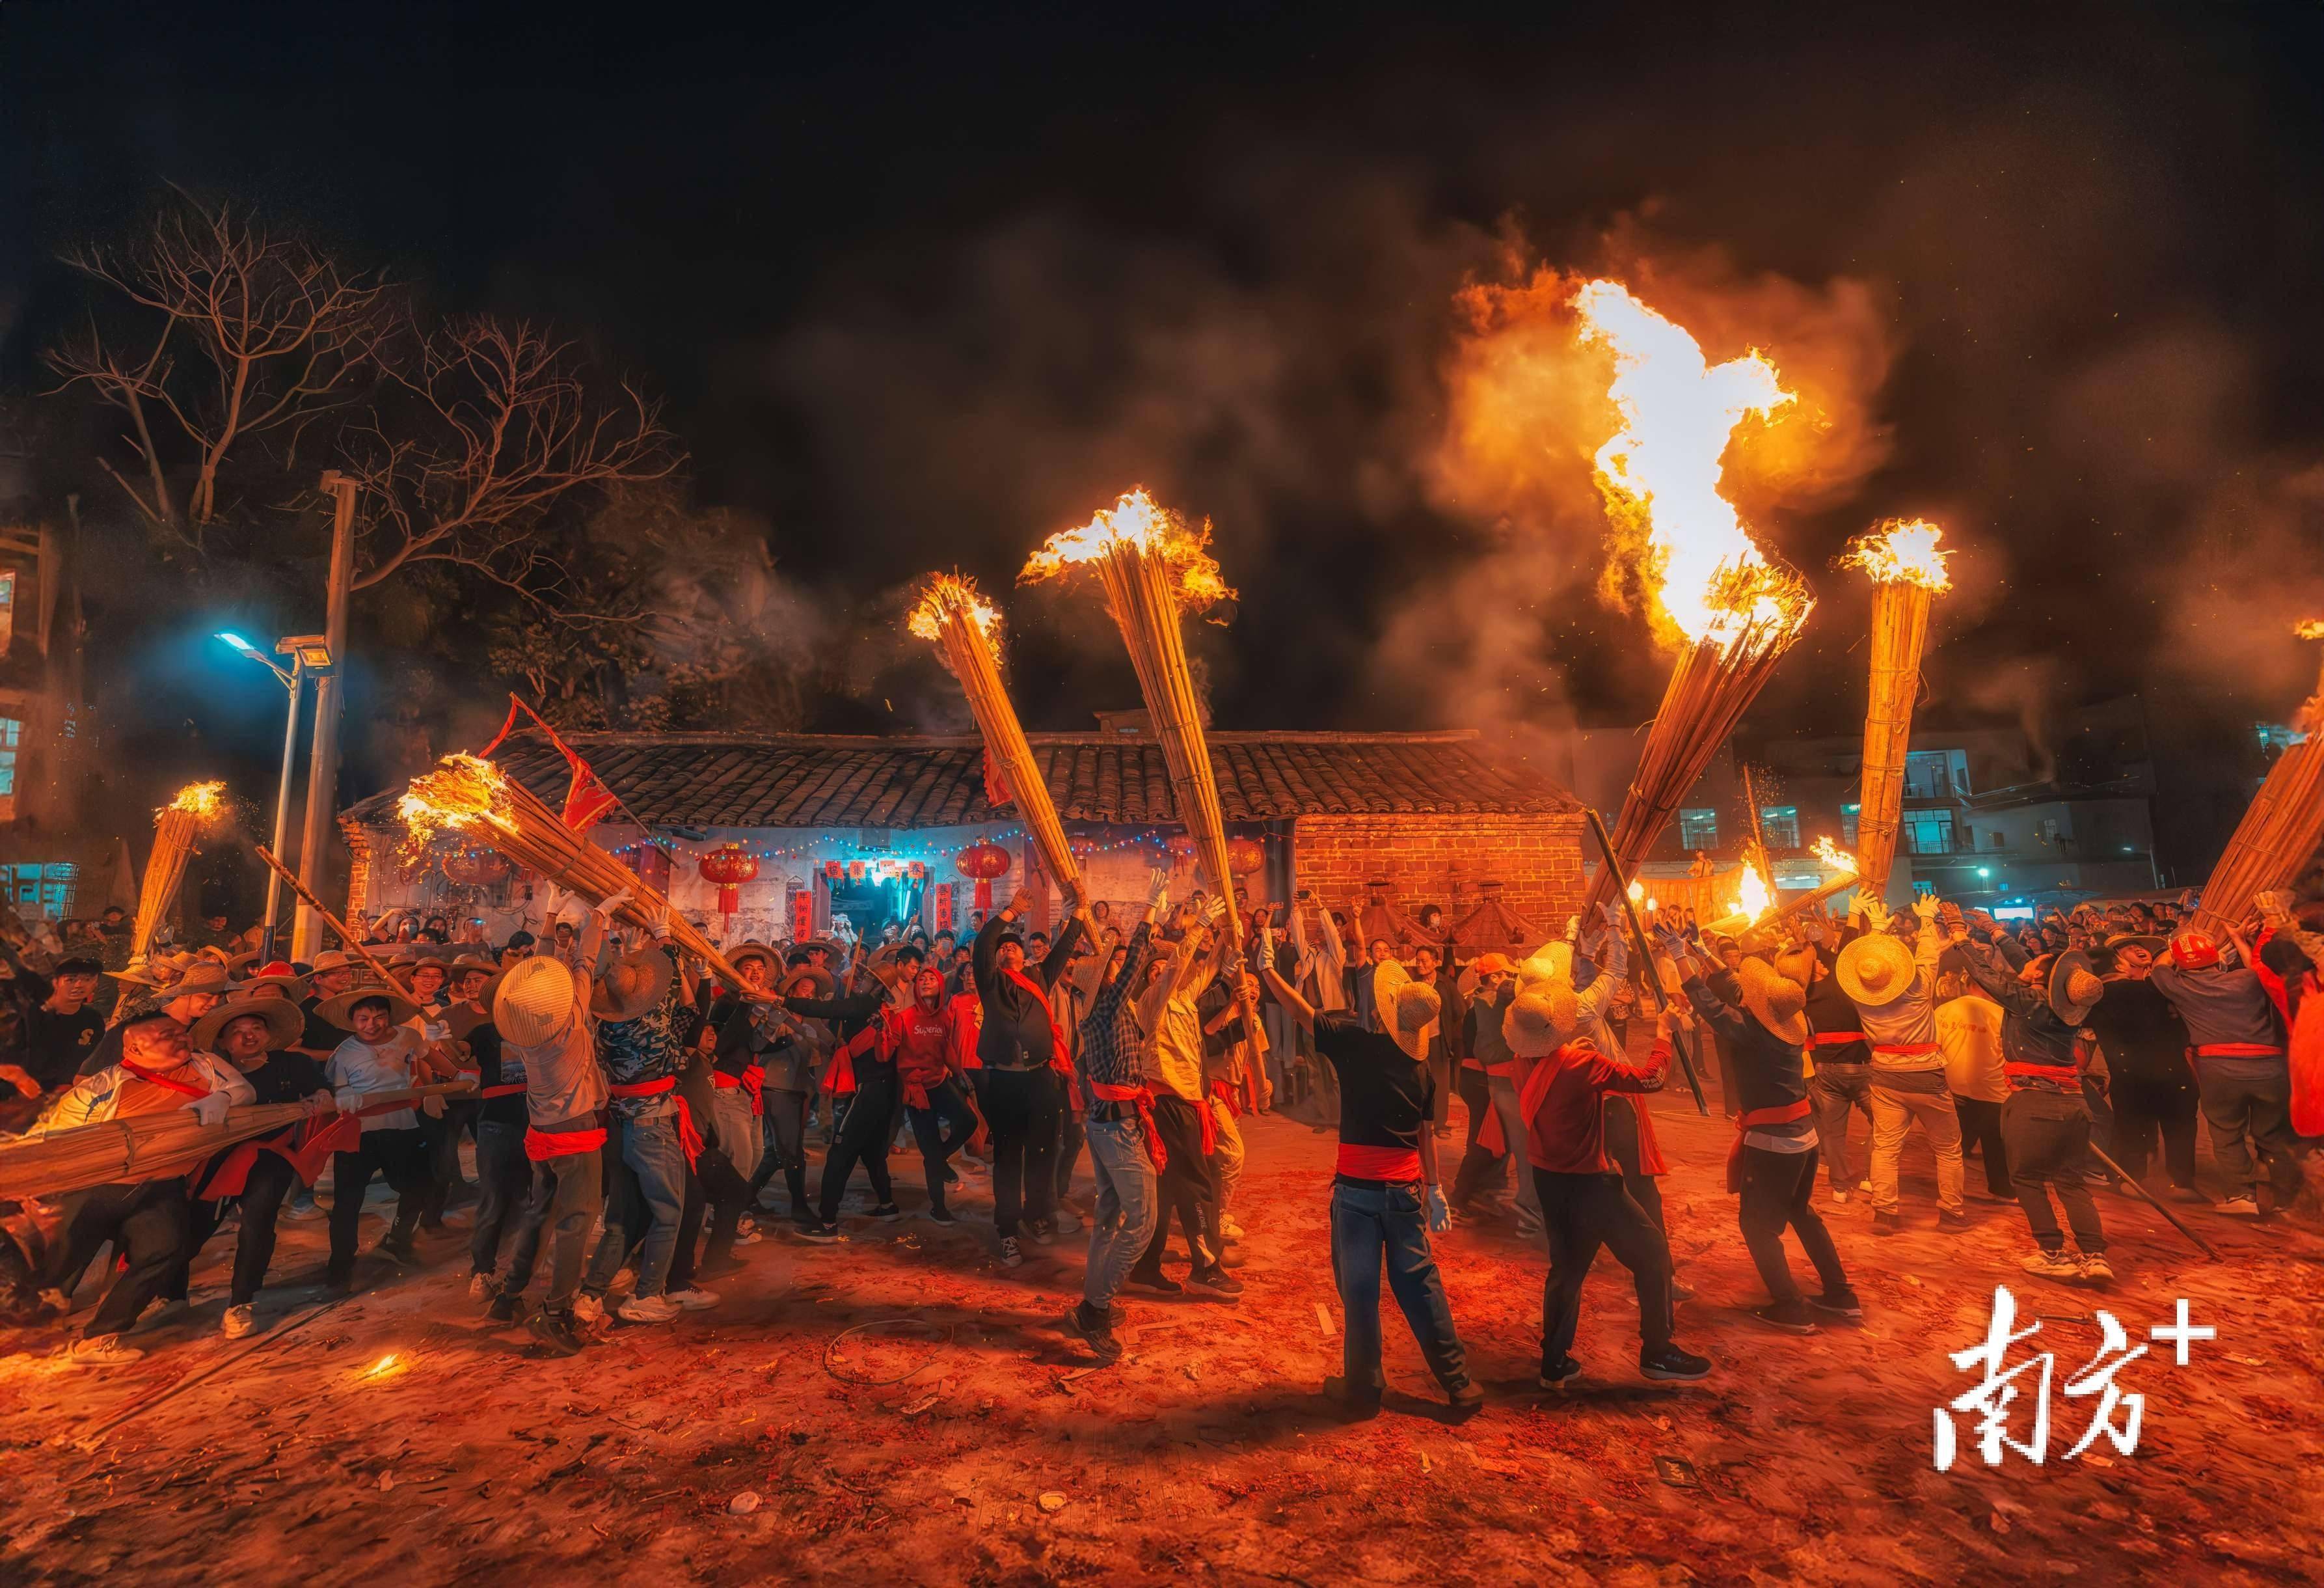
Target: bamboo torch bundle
1152,564
966,629
473,797
2279,835
176,825
1908,574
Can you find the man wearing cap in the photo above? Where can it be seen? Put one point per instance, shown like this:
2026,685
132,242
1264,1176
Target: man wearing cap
254,1036
2242,1070
1022,1057
2046,1124
1385,1197
380,1053
157,1072
1894,990
334,972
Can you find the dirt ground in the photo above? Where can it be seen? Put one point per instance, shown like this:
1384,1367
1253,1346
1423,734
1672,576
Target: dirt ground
960,1438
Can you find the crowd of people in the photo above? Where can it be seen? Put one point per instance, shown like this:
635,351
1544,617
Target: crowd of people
595,1097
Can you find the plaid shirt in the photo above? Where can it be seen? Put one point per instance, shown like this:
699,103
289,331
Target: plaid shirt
1112,1043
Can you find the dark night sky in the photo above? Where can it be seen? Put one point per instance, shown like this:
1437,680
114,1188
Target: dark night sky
921,289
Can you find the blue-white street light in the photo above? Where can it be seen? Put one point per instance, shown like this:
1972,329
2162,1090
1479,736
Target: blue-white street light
290,680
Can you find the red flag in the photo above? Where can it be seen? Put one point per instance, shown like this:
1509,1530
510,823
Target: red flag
996,786
588,799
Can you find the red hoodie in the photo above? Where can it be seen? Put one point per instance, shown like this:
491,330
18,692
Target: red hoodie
1564,1104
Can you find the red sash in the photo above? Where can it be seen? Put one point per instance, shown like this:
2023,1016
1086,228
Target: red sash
1143,1096
688,1138
1905,1049
1754,1117
1379,1163
183,1088
1059,1059
643,1088
2239,1050
752,1079
1225,1093
1837,1039
307,1146
541,1146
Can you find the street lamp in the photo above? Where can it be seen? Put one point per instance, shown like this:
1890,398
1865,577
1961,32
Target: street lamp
308,653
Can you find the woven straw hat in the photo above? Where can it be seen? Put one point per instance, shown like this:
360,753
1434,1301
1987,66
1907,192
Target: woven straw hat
631,986
533,1002
1775,1000
1541,1020
754,949
1408,1009
2074,987
205,976
341,1011
284,1022
1876,970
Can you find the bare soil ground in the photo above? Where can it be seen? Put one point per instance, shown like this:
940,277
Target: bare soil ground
970,1443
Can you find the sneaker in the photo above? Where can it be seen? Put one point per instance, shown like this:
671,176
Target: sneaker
1217,1281
101,1351
649,1309
1951,1223
304,1211
1865,1187
1157,1284
2246,1206
1041,1231
718,1267
952,1175
1790,1317
1561,1373
1673,1364
937,1215
1466,1400
887,1213
1099,1335
506,1307
627,1279
692,1299
400,1249
239,1321
589,1308
1229,1229
556,1331
2052,1265
1681,1291
1838,1195
480,1287
1065,1223
1352,1404
1888,1223
1011,1254
750,1237
1838,1303
2095,1267
814,1230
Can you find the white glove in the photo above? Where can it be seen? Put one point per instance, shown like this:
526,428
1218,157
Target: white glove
1572,928
433,1107
347,1099
1925,906
1440,1216
1875,914
612,901
209,1108
552,901
1157,894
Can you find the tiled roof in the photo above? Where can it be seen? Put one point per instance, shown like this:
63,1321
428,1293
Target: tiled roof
807,780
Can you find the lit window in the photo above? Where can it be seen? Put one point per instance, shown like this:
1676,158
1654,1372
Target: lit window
1779,825
11,731
1698,829
1848,817
7,609
1927,832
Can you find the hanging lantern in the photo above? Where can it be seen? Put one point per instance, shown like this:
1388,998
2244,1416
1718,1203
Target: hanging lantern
729,866
834,869
855,871
1244,855
474,868
983,863
919,870
1181,848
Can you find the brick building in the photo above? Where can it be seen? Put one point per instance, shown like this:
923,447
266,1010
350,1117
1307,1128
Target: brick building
874,829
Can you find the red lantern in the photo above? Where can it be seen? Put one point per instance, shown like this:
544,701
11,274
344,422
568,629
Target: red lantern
834,869
855,871
474,868
1182,849
1244,856
984,862
729,866
919,870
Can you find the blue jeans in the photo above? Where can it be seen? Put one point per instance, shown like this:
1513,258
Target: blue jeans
648,1196
1391,1220
503,1180
1128,1205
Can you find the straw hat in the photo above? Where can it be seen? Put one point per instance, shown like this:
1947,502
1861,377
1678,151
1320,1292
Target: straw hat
240,963
2074,987
1538,1024
284,1023
1876,970
1408,1009
821,981
207,976
340,1011
631,985
332,959
754,949
1775,1000
2154,943
533,1001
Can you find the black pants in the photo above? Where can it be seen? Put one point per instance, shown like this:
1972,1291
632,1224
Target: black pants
271,1180
2048,1137
401,1155
1184,1186
1477,1097
689,1235
863,1138
1621,1128
1980,1123
146,1223
940,1128
783,1123
1069,1144
727,1194
2148,1106
1021,1106
2234,1107
443,1136
1779,1190
1580,1214
503,1181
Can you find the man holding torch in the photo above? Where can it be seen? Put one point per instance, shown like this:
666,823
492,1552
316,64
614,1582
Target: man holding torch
1023,1056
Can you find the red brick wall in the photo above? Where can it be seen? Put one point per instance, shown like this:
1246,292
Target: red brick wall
1537,859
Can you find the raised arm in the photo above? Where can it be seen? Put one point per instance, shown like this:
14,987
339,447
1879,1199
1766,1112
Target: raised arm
1287,995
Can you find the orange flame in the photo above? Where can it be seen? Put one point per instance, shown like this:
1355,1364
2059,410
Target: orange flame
1136,520
1678,412
200,800
1840,859
1755,900
2312,628
950,593
1901,551
457,797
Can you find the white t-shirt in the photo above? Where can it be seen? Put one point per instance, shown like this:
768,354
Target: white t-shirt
359,1065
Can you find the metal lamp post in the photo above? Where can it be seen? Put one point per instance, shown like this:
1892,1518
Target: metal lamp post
308,653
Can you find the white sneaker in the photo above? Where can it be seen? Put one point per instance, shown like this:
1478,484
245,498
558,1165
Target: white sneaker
1865,1187
748,1237
2246,1206
1065,1221
1229,1229
101,1351
480,1287
649,1309
239,1322
627,1279
1838,1195
587,1308
691,1298
2052,1265
2095,1268
1011,1255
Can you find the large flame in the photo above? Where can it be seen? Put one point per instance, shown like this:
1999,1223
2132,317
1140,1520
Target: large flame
2309,629
199,800
1901,551
1136,521
953,593
440,800
1839,859
1754,899
1678,412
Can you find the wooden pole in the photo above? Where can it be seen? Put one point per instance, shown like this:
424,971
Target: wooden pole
332,921
323,766
970,657
1647,961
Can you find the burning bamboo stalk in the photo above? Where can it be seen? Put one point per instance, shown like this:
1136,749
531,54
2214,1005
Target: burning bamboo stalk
176,827
967,628
473,796
1847,878
2279,832
1908,573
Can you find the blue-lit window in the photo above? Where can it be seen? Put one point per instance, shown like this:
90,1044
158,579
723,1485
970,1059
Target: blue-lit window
11,731
1698,829
1848,816
1779,826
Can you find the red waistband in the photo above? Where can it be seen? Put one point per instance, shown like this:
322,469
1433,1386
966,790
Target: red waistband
509,1090
1775,1116
1908,1049
1143,1097
543,1145
1379,1163
645,1088
2017,1070
1832,1039
2238,1051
